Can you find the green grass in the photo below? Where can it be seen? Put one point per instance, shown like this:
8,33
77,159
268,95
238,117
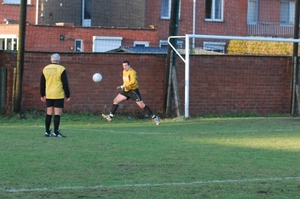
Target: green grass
251,157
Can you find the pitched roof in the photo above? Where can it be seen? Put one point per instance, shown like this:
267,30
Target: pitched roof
141,49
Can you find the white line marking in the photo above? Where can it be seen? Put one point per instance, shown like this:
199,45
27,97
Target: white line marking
168,133
12,190
172,133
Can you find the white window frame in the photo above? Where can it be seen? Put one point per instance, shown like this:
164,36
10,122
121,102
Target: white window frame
179,44
164,43
18,2
106,43
6,39
76,47
252,13
165,12
214,46
85,21
141,43
213,11
289,8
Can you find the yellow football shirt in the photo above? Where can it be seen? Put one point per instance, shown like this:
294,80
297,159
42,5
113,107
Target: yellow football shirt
130,80
54,85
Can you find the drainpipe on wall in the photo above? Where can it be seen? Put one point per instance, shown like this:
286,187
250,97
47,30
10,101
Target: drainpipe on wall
194,22
37,13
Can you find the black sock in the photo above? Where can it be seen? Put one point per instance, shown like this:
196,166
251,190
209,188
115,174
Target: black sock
113,109
48,123
146,108
56,122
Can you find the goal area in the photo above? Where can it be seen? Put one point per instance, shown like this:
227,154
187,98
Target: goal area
191,44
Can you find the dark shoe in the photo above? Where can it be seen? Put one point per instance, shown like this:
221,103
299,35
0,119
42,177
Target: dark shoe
58,134
48,134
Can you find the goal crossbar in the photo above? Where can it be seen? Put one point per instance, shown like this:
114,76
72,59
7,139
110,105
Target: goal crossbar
186,60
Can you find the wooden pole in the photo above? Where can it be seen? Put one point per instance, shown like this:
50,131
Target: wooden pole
294,106
171,58
20,57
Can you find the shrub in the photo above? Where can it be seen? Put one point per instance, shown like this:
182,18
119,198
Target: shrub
260,47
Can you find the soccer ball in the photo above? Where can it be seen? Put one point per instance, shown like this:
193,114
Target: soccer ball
97,77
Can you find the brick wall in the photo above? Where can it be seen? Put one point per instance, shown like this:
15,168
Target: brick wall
63,11
105,13
218,84
139,15
237,84
125,13
234,19
12,11
47,38
9,29
273,11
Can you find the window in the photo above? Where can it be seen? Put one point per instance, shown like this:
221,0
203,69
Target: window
104,44
166,9
78,45
214,46
165,44
287,11
214,10
179,44
252,11
86,12
141,43
14,2
8,42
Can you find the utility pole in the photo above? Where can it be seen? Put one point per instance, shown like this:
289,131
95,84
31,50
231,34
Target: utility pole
295,95
171,83
20,59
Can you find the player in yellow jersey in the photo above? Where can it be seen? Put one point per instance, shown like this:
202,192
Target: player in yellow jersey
54,90
130,90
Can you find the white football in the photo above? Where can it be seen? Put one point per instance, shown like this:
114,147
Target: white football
97,77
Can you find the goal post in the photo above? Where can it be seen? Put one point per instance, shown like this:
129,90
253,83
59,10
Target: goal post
186,58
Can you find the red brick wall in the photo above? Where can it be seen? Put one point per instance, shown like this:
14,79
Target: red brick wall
12,11
218,84
9,29
47,38
87,95
240,84
273,14
234,23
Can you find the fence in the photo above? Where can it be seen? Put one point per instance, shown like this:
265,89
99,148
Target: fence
219,84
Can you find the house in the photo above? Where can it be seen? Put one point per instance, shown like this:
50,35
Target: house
271,18
210,17
141,50
64,37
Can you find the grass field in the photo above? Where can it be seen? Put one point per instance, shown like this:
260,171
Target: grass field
205,158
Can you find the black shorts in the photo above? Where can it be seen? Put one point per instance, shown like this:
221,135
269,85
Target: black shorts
133,94
57,103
